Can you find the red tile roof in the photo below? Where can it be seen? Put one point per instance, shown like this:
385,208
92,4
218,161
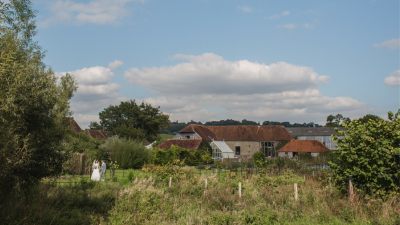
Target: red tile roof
205,133
304,146
240,132
97,134
73,125
189,144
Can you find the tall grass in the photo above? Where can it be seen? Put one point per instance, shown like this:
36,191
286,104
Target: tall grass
266,200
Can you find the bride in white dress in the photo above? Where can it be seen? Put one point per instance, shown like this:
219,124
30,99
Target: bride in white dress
96,171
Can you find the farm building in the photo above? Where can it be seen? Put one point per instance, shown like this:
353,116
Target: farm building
296,147
321,134
75,128
97,134
242,140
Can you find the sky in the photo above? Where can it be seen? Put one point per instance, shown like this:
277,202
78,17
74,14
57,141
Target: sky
203,60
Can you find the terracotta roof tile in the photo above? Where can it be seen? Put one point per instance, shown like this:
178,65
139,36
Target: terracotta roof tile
73,125
97,134
205,133
304,146
240,132
189,144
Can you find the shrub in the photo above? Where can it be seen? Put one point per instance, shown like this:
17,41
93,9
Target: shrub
189,157
259,159
368,153
128,153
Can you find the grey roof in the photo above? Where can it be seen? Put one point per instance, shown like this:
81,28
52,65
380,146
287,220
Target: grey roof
311,131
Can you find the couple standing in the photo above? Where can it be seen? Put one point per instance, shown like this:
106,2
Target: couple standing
98,172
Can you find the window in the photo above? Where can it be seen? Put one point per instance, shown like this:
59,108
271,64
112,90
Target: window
217,154
187,137
237,150
268,149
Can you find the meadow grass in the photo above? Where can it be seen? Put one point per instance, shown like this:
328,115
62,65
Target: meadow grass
266,199
144,197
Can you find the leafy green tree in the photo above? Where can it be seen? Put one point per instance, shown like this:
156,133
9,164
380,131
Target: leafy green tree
368,117
95,126
336,121
33,104
369,154
134,121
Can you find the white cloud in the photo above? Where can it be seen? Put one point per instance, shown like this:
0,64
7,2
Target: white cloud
115,64
293,26
390,44
212,74
393,79
280,15
95,91
206,87
93,11
245,9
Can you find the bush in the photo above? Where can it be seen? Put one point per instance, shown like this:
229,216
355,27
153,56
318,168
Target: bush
127,153
189,157
369,154
259,159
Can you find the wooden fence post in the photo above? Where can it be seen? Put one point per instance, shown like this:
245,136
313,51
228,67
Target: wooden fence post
240,189
296,194
205,183
170,182
351,191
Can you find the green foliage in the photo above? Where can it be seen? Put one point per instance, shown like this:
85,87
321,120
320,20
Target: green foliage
128,153
336,121
83,203
95,126
186,156
259,159
133,121
368,153
33,104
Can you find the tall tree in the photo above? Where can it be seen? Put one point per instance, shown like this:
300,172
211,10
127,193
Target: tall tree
33,104
336,121
134,121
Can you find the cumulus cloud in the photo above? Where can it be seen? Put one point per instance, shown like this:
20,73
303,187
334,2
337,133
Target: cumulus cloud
94,11
390,44
393,79
212,74
207,86
96,90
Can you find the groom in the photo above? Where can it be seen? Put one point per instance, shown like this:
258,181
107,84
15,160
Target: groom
103,170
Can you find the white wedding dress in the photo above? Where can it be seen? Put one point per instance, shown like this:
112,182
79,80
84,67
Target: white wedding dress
96,172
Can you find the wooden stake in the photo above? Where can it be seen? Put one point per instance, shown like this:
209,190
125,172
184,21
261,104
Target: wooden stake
296,194
351,191
170,182
240,189
205,183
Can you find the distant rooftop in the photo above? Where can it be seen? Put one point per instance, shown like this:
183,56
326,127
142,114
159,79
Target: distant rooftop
311,131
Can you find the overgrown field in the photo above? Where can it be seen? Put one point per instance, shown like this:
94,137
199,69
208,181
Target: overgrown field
144,197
